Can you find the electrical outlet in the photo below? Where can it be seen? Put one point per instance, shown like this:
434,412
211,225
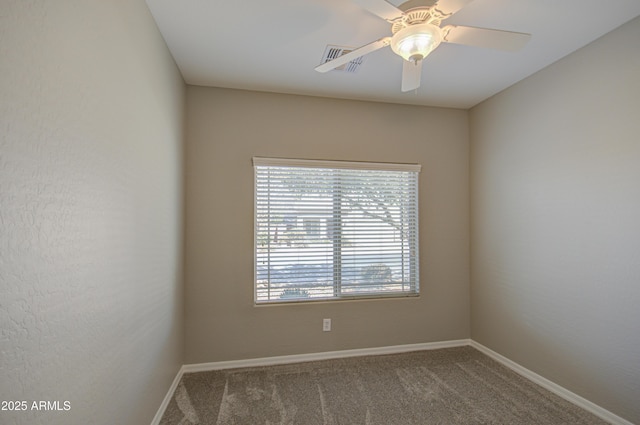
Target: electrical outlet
326,325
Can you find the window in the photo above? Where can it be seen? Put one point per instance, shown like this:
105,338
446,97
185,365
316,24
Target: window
334,230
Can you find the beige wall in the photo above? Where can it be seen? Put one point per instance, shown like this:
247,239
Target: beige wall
226,128
555,184
91,128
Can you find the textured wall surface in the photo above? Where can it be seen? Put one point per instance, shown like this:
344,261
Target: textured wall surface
91,116
555,184
225,129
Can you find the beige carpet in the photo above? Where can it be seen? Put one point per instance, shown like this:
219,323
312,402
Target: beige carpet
448,386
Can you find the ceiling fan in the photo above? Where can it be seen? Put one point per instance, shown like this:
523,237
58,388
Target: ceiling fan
416,32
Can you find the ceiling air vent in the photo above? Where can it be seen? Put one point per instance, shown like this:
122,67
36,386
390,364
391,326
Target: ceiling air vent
332,52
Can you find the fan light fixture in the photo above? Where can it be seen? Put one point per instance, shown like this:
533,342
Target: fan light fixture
415,42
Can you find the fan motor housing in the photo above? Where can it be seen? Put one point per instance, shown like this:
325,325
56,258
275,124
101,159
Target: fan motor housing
415,16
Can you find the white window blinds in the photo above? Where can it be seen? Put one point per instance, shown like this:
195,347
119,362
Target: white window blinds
333,229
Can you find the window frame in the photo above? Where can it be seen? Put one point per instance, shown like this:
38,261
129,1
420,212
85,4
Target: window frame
412,171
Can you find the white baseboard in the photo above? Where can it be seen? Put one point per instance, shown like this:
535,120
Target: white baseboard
394,349
167,398
326,355
553,387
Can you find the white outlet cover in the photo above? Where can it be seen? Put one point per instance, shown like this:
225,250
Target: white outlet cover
326,325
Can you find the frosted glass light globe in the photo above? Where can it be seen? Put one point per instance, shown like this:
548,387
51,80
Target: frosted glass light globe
415,42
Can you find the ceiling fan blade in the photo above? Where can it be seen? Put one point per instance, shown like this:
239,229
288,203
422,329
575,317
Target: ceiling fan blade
381,8
446,8
354,54
483,37
411,73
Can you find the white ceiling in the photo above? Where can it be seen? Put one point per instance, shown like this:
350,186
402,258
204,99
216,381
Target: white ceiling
275,45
